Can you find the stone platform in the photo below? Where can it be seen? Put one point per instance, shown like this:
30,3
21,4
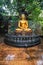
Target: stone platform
22,41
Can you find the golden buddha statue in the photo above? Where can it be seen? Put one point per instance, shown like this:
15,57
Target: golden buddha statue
23,24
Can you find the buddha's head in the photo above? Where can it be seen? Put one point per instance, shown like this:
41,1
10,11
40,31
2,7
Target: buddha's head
23,16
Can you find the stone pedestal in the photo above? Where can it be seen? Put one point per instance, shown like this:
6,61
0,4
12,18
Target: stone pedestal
22,40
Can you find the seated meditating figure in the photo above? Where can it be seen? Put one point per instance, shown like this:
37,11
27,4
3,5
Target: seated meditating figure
23,24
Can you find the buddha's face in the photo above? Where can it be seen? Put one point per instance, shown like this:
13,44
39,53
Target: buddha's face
23,16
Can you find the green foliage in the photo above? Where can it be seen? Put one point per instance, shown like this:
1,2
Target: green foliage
8,7
12,9
35,10
32,7
41,18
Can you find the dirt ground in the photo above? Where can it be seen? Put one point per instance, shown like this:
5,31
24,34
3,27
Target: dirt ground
21,56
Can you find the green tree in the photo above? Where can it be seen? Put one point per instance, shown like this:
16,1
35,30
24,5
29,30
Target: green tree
12,8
